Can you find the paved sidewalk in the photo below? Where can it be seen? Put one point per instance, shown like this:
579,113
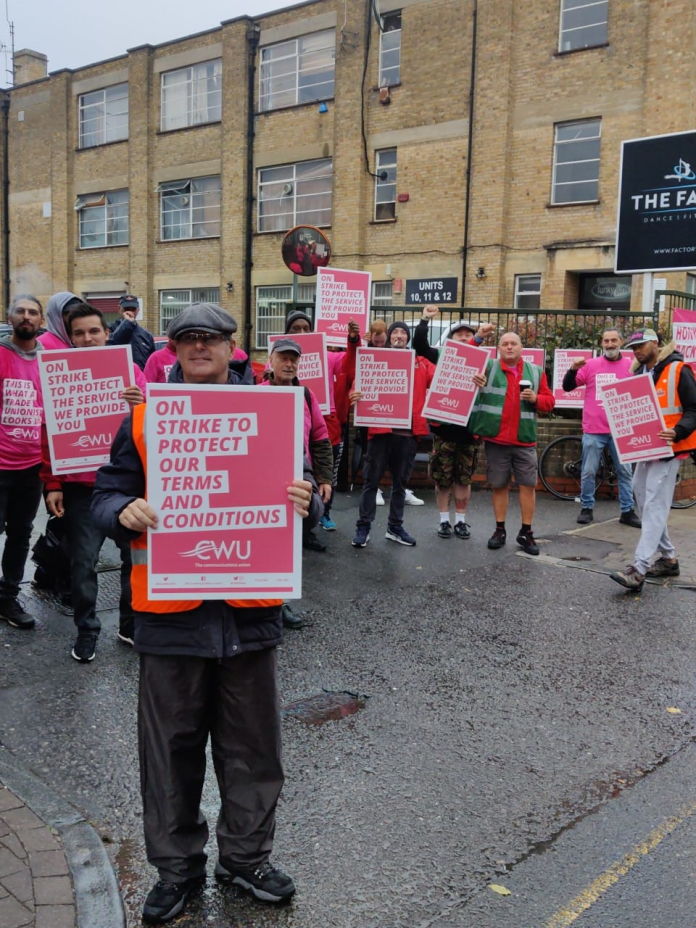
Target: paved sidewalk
35,886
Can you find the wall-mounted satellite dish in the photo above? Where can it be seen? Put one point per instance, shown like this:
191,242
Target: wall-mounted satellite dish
304,249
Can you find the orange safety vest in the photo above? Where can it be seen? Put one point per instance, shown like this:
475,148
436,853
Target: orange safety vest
140,601
670,404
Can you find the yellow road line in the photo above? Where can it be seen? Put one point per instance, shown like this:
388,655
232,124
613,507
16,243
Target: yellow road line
570,913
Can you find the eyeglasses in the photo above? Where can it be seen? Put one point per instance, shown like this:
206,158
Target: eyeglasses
208,338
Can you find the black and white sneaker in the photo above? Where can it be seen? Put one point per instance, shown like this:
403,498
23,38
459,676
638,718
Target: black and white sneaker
399,534
13,613
126,630
266,882
165,900
462,530
362,536
85,647
445,530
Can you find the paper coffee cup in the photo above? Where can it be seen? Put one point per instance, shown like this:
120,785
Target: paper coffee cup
525,385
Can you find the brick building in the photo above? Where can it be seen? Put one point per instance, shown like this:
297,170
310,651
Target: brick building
173,171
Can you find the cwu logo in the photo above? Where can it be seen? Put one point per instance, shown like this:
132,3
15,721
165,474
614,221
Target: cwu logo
92,441
26,434
219,551
449,402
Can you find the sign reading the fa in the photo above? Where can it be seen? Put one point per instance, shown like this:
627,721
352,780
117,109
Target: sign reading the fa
656,225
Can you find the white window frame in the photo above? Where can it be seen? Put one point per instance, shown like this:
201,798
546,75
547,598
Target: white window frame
570,37
690,283
103,116
385,190
103,216
172,302
191,96
581,129
287,71
272,306
521,279
382,293
280,187
195,197
390,43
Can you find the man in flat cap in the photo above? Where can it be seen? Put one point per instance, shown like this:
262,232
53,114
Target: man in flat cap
126,331
654,481
207,668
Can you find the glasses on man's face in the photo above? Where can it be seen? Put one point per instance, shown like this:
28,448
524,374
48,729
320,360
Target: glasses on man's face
208,338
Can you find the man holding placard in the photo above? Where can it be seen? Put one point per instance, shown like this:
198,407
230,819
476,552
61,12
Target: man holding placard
207,665
654,480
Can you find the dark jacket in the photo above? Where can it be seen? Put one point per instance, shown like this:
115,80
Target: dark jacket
241,372
214,629
125,332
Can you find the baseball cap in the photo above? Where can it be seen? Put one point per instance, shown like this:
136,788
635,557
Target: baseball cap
640,337
129,302
202,317
286,344
456,326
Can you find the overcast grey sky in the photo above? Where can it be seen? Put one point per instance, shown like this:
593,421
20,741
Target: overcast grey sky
74,33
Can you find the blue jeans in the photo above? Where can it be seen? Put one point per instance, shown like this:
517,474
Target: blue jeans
592,446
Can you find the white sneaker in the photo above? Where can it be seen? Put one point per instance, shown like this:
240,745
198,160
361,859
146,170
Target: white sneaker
380,498
412,500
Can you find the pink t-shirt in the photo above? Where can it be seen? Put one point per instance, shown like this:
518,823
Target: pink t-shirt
159,364
599,372
51,342
21,415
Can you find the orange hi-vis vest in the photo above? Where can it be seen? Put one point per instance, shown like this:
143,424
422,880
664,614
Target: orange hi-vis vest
140,601
670,405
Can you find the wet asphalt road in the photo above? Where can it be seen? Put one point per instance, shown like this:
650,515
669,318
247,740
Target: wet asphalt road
506,700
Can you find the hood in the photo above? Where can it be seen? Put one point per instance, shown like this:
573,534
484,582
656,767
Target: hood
176,375
54,315
668,354
6,342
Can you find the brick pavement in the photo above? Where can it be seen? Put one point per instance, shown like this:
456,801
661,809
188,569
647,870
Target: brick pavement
36,889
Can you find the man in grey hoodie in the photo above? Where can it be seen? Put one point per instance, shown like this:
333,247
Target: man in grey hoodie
57,309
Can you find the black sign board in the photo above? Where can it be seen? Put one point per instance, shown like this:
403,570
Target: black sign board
431,290
604,291
656,225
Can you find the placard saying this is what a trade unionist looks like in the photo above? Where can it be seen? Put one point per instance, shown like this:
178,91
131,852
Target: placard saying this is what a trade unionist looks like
220,460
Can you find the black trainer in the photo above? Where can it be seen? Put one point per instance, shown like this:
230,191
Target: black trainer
266,882
664,568
497,539
630,518
290,619
312,543
126,630
14,614
586,516
462,530
445,530
165,900
85,647
526,541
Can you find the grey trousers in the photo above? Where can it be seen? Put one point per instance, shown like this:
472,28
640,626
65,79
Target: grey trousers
182,701
653,488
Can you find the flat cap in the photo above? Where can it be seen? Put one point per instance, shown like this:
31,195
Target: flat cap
286,344
202,317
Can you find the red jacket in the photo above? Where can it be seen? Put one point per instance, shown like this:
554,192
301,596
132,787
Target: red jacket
423,374
510,421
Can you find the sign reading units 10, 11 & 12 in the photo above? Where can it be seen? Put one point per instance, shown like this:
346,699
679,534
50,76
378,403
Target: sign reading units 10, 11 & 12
431,290
656,225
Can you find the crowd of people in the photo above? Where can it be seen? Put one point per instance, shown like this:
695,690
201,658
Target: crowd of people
208,667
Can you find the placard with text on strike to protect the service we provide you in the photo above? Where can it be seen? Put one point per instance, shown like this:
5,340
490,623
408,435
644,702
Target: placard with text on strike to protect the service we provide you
220,460
384,377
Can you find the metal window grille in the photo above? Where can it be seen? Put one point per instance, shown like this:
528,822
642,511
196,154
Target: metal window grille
272,306
103,116
298,71
295,194
172,302
576,161
382,293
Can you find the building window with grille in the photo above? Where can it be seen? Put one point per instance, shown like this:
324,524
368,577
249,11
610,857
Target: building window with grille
103,219
192,96
382,293
172,302
298,71
295,194
103,116
576,161
272,307
190,208
583,24
527,291
385,184
390,51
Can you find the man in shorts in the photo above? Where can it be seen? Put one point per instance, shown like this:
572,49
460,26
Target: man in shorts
513,392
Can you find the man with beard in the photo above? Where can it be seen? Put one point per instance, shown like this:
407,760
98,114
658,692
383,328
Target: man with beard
20,449
596,435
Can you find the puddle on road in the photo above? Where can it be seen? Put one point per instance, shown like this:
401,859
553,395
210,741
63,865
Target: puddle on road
324,707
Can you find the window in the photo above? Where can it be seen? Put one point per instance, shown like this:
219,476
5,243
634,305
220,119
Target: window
173,301
103,116
527,291
190,208
382,293
390,51
295,194
192,96
272,306
583,24
385,184
576,161
298,71
103,219
691,283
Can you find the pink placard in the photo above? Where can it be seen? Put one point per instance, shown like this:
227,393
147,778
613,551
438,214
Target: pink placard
535,356
385,378
220,460
313,370
635,419
341,296
562,361
452,392
684,334
491,351
81,390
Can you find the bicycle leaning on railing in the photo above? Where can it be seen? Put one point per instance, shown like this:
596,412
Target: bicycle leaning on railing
560,470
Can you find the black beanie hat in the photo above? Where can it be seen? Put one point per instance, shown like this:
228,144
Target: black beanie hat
398,325
294,316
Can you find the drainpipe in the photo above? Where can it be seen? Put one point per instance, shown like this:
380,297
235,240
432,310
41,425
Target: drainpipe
469,151
252,37
6,197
